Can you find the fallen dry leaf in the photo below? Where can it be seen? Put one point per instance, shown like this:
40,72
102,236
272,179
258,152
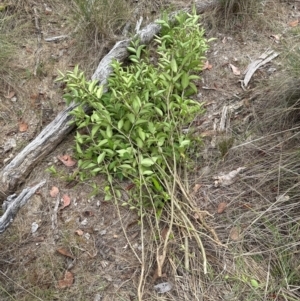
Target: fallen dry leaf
235,234
293,23
54,192
130,186
66,201
196,187
65,252
66,160
34,96
207,66
23,126
164,233
221,207
276,37
79,232
67,281
10,95
235,70
29,49
196,216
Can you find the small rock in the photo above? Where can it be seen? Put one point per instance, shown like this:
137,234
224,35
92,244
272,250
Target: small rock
84,222
98,297
34,227
103,232
9,144
163,287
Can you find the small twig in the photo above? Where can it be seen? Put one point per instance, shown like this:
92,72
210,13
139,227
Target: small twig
161,258
57,38
139,291
55,210
186,238
186,253
39,38
223,119
138,25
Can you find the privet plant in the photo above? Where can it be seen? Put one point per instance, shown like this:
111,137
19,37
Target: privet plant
135,129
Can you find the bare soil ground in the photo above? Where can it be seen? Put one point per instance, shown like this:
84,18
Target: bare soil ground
91,250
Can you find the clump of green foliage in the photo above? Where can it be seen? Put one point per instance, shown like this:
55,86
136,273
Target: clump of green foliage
135,129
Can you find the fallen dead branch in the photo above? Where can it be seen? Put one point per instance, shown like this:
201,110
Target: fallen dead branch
262,60
13,203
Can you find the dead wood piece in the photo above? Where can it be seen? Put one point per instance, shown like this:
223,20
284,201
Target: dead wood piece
57,38
12,175
262,60
14,203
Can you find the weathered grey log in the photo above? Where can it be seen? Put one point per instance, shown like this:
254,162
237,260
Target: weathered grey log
13,203
14,174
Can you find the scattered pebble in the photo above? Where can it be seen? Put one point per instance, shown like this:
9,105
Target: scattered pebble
84,222
34,227
103,232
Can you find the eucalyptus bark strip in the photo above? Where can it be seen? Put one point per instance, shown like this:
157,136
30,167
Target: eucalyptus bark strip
15,173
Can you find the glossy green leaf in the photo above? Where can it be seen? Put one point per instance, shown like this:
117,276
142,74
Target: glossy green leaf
101,157
185,80
95,129
139,142
141,134
131,117
109,131
147,162
120,124
174,65
159,111
254,283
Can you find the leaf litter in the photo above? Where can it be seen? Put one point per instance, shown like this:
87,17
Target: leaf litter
65,252
54,192
66,200
67,281
67,160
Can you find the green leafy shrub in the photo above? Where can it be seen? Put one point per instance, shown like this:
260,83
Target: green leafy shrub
135,129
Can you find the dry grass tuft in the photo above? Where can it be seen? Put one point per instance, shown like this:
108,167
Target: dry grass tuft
96,26
234,14
264,205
